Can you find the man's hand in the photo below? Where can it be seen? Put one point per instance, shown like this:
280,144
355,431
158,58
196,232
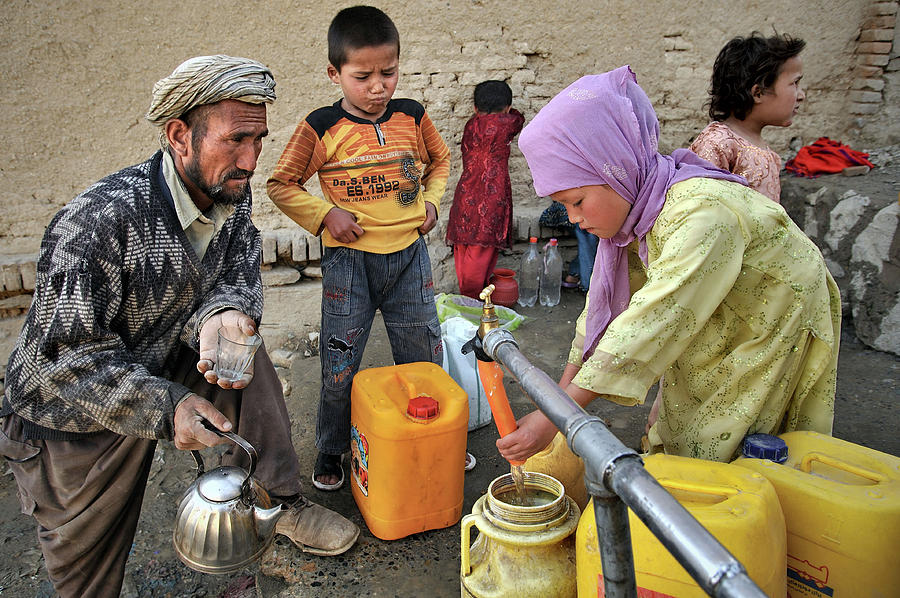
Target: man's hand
190,433
430,218
209,341
342,225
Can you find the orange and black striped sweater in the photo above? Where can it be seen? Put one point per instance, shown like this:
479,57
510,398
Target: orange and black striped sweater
381,172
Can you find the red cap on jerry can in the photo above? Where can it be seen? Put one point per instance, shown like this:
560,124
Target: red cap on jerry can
423,408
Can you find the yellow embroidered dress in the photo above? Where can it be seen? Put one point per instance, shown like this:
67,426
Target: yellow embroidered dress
739,312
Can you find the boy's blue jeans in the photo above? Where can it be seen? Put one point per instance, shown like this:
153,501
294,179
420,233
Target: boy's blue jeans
354,284
583,264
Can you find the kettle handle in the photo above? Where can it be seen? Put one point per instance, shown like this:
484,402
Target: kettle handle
246,491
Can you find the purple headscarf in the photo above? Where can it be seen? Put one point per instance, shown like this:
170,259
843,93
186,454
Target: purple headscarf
602,130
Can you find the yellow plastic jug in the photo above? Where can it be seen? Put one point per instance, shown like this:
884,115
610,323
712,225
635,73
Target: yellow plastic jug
522,551
740,510
408,427
841,504
559,461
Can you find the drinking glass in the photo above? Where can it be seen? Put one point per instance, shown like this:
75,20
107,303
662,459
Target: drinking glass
235,353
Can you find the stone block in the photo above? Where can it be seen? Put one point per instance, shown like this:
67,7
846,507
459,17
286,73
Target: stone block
523,76
282,358
880,22
475,48
868,71
28,271
813,198
269,247
10,278
868,84
298,248
279,276
855,170
515,61
893,66
312,272
865,97
471,78
314,249
416,81
443,79
872,59
283,245
876,35
18,303
873,48
875,281
864,108
877,9
682,45
848,211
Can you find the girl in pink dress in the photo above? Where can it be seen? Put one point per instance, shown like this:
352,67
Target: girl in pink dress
755,84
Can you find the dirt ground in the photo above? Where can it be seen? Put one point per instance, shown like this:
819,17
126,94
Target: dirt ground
867,410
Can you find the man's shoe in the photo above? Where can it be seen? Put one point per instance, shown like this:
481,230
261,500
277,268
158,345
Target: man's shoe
315,529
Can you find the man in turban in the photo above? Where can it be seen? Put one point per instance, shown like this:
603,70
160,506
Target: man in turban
135,278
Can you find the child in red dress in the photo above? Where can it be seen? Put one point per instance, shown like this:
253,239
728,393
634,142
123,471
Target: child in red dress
481,215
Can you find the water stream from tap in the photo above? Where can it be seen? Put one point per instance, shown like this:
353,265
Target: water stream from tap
518,476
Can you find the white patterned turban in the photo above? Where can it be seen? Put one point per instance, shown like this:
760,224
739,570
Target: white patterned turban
207,80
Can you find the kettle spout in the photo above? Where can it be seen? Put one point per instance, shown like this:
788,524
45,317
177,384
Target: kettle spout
266,520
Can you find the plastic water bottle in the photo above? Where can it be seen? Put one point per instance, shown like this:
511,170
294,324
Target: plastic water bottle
551,275
529,275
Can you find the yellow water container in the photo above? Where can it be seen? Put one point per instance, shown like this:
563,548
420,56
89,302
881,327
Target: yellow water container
522,550
841,504
559,461
740,510
408,427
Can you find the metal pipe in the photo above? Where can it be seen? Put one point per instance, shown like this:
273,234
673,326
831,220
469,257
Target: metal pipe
611,518
611,467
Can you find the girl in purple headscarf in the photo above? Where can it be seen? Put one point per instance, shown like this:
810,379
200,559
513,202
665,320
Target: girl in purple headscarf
696,277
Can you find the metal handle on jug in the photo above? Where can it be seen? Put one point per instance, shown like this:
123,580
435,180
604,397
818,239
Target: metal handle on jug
246,490
465,526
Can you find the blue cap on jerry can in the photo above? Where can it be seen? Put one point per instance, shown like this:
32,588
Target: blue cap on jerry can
765,446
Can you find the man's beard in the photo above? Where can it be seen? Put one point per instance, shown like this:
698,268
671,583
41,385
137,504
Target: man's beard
218,192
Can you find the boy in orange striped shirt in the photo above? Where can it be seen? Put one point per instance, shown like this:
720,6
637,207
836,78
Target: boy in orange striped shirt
382,167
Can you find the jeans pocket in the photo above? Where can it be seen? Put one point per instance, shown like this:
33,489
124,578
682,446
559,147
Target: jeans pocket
425,267
337,280
437,342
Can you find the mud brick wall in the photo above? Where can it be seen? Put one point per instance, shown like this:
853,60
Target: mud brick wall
78,76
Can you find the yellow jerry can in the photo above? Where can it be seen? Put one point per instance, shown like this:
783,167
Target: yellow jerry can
740,510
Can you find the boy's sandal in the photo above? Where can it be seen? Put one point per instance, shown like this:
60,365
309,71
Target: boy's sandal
570,282
470,461
328,465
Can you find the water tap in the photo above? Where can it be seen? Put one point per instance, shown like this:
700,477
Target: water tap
489,319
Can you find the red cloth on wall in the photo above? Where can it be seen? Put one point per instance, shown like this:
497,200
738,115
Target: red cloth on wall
481,213
825,156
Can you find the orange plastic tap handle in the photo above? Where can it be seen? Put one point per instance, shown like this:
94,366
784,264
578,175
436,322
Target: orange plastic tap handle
492,379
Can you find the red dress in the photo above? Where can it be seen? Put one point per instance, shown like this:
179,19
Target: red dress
481,213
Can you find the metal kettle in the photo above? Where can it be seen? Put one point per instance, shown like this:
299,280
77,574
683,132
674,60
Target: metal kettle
225,520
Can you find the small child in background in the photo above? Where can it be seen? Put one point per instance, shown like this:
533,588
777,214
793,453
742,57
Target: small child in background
480,221
755,84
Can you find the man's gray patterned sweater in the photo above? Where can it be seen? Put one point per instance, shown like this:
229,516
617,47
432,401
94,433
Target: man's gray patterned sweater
118,289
